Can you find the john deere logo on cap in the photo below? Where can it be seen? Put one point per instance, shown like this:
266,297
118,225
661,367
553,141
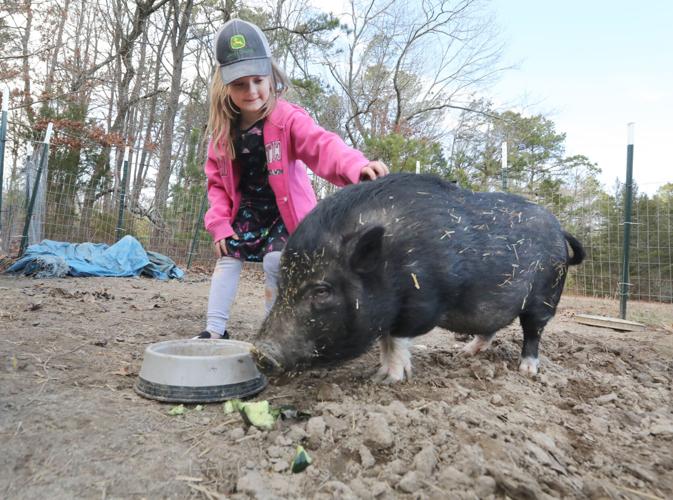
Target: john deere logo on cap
237,42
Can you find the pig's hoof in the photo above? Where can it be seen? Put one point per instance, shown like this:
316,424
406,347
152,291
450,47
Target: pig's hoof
395,360
392,374
476,345
529,366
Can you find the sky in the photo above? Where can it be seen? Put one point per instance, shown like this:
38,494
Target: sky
592,67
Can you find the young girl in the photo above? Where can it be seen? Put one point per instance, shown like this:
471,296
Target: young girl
258,186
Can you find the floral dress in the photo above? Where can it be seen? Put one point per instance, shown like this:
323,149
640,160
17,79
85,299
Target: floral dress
258,223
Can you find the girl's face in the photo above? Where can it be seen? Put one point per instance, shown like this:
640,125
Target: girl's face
250,93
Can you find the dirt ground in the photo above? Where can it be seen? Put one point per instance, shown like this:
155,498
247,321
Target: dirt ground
596,423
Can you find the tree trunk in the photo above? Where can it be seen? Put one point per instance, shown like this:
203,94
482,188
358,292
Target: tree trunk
25,39
51,69
141,171
181,17
126,42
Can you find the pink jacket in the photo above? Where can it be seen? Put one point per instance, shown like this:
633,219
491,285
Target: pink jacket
291,138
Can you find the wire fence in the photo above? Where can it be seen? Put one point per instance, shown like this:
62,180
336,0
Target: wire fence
177,232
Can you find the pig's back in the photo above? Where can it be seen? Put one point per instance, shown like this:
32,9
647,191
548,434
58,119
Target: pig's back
424,211
480,253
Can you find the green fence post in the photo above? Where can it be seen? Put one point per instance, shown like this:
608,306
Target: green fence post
36,184
628,195
122,194
3,136
197,228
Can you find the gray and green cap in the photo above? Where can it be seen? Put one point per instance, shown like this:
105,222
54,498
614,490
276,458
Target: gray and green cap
241,49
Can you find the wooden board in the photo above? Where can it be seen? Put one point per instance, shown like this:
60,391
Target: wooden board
614,323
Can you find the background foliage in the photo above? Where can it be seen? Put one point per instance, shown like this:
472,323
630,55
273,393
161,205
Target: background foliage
406,82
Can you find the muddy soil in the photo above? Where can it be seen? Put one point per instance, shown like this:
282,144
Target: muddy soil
597,422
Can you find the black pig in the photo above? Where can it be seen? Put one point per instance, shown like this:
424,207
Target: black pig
392,258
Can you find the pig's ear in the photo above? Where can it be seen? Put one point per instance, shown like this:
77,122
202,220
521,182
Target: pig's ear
367,246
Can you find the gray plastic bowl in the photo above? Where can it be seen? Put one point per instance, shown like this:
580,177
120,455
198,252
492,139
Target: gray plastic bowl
199,371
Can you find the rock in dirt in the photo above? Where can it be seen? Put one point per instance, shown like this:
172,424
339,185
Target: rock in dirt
484,486
544,440
366,458
377,433
315,428
275,451
663,430
362,488
337,425
282,440
496,400
254,485
470,460
280,466
482,371
380,489
237,433
468,414
514,482
329,392
425,460
336,409
397,409
296,434
450,477
339,490
538,454
410,482
595,489
599,425
398,467
641,473
268,486
606,398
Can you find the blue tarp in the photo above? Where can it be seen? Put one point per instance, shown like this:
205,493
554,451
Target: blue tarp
55,259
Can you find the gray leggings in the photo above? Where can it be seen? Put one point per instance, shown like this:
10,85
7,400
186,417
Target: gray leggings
224,284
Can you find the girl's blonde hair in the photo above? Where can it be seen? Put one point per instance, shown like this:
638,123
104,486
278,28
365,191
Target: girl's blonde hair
223,113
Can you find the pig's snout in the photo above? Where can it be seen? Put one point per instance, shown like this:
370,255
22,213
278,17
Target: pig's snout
265,361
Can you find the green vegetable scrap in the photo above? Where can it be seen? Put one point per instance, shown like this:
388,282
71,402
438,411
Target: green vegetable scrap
257,414
261,414
289,412
177,410
301,460
231,406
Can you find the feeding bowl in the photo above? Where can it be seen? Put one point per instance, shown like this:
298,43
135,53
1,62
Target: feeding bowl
198,371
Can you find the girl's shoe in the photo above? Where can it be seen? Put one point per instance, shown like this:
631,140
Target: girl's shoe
205,334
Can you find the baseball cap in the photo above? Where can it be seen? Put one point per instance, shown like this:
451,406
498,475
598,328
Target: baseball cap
241,49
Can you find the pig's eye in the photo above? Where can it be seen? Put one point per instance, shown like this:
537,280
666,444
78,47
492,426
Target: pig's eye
321,293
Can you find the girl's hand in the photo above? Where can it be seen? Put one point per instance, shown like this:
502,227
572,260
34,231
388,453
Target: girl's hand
221,246
373,170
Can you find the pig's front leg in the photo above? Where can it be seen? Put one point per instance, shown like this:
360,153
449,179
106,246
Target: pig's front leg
395,360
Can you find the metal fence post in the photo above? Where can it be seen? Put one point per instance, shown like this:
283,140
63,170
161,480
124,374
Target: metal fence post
503,165
628,195
3,136
122,195
33,194
197,229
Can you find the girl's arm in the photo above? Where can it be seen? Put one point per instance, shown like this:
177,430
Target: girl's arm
325,152
218,218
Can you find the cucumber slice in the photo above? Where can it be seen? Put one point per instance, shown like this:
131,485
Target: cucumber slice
257,414
301,460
